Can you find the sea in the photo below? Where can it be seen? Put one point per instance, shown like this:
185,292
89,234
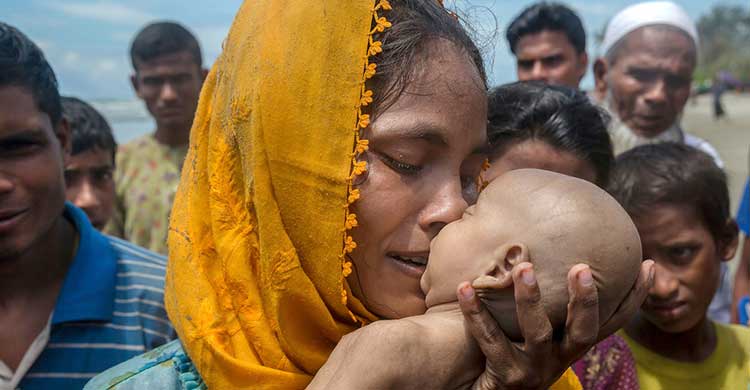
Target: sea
129,119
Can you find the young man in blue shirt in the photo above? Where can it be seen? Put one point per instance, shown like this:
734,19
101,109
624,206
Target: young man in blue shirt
73,302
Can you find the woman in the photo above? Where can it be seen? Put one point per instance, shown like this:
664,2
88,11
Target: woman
290,232
534,125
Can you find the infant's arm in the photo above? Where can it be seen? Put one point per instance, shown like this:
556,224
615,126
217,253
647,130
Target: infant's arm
431,351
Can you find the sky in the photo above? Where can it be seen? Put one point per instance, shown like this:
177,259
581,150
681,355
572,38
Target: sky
87,41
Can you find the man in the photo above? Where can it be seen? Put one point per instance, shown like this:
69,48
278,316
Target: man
644,78
549,43
168,75
88,172
73,302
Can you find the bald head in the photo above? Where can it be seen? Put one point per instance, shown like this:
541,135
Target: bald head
551,220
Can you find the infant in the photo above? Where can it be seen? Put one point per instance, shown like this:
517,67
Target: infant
527,215
550,220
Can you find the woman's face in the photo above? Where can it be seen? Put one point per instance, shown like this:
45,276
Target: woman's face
426,151
540,155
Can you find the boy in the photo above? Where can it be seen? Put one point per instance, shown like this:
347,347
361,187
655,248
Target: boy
679,201
88,171
167,76
73,302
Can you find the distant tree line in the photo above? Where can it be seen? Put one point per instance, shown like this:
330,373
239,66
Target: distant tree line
724,43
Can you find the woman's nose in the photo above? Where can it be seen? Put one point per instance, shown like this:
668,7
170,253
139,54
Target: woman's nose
446,205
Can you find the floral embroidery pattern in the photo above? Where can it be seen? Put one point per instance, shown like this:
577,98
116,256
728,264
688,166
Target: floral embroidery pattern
360,145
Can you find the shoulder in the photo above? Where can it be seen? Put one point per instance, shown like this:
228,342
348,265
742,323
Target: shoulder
738,334
134,148
130,255
167,367
704,146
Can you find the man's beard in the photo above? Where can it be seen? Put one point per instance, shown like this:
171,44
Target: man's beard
624,138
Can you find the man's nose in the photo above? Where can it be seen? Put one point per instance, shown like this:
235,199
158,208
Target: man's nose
657,92
6,184
168,92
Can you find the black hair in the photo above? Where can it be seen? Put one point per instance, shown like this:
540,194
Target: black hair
88,127
547,16
562,117
415,24
161,38
675,174
22,64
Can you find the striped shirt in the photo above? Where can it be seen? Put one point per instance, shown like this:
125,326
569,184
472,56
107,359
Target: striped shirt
110,309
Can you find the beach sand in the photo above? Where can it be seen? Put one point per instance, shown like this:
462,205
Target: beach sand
730,136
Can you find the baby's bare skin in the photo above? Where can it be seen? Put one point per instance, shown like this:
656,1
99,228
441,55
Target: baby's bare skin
551,220
548,219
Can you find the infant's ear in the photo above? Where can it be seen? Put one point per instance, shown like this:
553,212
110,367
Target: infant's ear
498,274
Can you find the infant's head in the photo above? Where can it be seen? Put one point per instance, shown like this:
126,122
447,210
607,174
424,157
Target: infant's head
551,220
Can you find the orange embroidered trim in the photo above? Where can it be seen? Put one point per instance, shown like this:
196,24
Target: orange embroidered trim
481,182
361,145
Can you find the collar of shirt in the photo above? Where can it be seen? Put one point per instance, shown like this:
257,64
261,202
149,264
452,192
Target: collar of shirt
88,291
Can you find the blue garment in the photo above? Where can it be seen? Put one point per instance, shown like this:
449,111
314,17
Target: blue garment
743,214
165,368
110,309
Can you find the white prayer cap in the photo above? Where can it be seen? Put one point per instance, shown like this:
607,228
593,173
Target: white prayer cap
647,14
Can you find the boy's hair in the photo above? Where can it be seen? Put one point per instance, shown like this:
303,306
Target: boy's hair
22,64
161,38
560,116
88,127
547,16
672,173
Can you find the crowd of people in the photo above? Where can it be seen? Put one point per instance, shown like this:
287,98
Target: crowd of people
343,202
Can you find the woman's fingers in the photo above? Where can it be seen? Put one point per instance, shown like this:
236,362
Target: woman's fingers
532,318
632,302
582,324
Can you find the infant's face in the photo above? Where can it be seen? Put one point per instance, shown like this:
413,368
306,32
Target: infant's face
469,247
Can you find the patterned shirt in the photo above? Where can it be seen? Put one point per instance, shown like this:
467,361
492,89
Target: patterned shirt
110,309
146,177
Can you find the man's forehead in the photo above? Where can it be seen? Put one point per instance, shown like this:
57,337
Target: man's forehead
543,43
662,40
178,62
19,113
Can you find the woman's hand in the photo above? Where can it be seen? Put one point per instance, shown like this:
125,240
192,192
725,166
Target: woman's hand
541,360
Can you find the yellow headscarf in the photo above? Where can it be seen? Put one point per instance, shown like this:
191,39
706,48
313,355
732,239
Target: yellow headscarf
255,282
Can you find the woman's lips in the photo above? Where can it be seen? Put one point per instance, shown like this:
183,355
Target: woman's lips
412,265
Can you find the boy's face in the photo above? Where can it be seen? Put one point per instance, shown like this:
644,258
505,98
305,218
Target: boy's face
687,266
32,188
170,86
89,184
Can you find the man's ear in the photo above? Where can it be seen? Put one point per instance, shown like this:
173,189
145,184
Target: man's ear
134,83
65,136
498,274
601,67
583,65
729,241
204,74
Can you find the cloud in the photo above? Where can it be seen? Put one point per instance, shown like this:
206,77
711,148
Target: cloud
103,11
596,9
